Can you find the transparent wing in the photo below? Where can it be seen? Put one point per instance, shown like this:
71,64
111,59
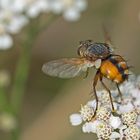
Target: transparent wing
66,68
108,38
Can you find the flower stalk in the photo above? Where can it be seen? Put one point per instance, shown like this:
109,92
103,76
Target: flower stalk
22,70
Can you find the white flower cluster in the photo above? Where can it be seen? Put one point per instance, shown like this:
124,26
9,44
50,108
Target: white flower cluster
70,9
123,124
15,14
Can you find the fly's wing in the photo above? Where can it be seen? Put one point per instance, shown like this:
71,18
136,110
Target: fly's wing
66,68
108,38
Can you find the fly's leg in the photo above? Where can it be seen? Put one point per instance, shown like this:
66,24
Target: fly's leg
87,72
120,94
94,90
107,89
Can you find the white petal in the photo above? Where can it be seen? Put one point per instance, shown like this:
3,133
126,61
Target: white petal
33,11
57,7
81,5
71,14
94,126
137,103
16,24
126,87
37,7
6,42
18,6
89,127
115,135
115,122
126,108
75,119
122,128
92,103
138,121
43,5
135,93
5,3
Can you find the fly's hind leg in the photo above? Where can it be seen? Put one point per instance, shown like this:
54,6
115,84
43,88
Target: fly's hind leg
120,94
94,90
108,90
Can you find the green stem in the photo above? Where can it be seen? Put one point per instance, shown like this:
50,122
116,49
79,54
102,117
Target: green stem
22,69
20,78
23,64
3,99
19,85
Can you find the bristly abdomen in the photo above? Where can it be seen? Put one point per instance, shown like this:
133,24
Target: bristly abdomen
115,68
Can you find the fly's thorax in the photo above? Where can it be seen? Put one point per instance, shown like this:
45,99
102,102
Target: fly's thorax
93,51
98,50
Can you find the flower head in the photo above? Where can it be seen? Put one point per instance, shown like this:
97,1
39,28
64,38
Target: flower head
104,131
70,9
103,114
109,125
132,133
129,118
87,112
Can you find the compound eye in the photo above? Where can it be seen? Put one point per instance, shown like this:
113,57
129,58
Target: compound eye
79,51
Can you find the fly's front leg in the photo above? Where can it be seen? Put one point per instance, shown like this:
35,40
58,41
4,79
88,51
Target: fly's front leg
94,90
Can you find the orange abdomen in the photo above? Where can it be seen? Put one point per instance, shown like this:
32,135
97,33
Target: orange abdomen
115,68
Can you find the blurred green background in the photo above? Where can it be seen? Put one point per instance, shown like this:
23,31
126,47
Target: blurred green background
49,101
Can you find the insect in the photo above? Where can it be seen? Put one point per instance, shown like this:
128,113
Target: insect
92,54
